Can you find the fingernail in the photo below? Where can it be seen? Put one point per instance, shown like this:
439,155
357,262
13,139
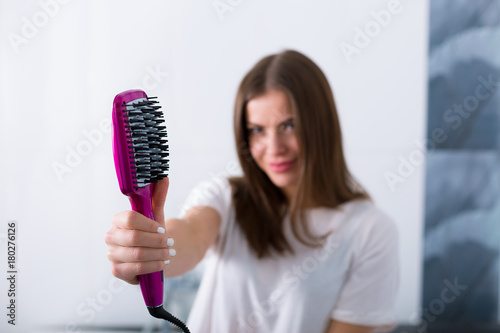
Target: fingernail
160,230
172,252
170,242
167,262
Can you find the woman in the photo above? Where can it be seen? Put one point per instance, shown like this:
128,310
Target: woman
295,244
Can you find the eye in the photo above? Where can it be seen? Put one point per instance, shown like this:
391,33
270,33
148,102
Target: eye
288,125
254,130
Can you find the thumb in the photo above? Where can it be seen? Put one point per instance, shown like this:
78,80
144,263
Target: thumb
158,200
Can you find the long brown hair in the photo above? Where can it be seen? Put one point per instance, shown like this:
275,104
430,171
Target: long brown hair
324,178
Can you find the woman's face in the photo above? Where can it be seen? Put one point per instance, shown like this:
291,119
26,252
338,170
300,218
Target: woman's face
273,143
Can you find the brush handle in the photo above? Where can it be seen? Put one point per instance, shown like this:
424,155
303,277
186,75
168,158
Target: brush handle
152,283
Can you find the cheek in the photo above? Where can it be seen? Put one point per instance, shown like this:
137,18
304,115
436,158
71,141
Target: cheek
255,152
294,144
254,146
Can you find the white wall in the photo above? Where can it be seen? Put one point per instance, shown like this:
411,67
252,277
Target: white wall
61,80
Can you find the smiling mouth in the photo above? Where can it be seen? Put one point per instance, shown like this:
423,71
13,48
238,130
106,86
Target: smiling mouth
281,167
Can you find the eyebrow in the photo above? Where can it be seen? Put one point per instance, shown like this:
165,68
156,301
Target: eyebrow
281,123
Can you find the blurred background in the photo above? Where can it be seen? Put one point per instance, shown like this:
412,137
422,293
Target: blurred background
462,192
62,62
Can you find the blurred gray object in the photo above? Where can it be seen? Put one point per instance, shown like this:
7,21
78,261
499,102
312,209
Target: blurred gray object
462,213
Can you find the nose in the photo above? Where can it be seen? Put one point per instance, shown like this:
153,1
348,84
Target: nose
275,143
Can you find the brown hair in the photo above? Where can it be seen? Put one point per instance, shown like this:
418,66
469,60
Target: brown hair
324,179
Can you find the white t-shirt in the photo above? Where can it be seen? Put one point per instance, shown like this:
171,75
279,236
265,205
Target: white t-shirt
353,278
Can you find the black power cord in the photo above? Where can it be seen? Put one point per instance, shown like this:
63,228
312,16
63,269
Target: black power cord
161,313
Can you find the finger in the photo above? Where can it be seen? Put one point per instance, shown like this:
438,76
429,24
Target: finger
138,254
129,271
137,238
158,200
135,221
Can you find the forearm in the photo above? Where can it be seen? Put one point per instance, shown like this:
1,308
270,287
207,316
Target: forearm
189,251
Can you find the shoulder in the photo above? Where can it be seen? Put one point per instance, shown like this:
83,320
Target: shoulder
214,192
213,187
370,225
368,214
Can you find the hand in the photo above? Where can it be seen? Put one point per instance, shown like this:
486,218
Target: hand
138,245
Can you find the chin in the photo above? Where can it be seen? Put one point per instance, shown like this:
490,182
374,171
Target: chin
283,181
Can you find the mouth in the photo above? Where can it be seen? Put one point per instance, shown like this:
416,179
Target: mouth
281,167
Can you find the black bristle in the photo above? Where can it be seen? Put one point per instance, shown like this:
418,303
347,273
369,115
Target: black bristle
148,147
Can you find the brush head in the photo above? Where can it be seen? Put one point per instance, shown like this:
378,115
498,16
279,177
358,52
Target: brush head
140,147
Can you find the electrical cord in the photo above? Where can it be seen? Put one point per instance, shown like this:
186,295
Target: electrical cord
161,313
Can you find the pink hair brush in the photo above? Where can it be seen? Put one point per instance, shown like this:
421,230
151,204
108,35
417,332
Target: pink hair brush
140,152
